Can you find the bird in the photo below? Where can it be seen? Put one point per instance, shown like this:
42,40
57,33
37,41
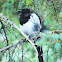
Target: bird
30,22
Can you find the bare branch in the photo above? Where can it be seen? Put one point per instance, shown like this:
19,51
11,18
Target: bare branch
47,54
55,10
4,31
57,31
12,45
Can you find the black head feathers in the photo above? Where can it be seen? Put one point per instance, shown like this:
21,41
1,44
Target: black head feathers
25,11
25,15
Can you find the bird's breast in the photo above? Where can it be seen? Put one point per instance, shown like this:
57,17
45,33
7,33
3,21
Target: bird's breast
27,28
32,25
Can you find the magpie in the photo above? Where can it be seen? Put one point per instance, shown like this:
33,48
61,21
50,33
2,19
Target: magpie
30,22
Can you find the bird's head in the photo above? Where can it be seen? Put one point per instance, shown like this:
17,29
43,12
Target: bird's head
25,11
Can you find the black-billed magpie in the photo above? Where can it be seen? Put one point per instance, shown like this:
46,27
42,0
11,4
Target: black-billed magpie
30,22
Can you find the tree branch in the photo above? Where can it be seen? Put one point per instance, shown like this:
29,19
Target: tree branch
57,31
55,10
5,36
4,31
12,45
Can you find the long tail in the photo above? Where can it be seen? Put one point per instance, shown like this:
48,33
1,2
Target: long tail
40,53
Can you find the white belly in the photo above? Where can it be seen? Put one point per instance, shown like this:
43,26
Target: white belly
27,28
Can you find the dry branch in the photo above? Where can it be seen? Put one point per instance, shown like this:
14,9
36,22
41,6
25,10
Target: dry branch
3,27
4,31
12,45
57,31
55,10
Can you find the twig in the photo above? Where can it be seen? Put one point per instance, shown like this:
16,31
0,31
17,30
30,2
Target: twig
6,37
55,10
22,52
47,15
47,54
12,45
56,31
4,31
34,4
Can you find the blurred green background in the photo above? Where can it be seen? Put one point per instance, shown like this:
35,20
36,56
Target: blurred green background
50,12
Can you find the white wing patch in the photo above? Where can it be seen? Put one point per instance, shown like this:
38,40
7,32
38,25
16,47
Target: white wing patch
34,18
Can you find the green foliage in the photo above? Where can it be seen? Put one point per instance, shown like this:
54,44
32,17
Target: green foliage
28,2
28,53
52,41
47,14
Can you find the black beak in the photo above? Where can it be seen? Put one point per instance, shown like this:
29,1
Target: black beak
19,11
